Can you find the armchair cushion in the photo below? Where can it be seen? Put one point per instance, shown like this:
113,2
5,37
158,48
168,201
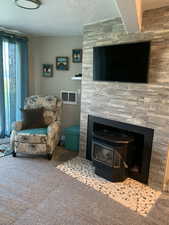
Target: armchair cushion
36,131
52,106
32,136
33,118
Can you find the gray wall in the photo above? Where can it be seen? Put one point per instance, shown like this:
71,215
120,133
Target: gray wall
44,50
140,104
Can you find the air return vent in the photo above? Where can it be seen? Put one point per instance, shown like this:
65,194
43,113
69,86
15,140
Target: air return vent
69,97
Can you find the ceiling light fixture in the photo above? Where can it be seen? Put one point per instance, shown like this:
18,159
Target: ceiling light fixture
28,4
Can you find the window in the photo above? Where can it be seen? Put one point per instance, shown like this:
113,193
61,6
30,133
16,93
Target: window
13,80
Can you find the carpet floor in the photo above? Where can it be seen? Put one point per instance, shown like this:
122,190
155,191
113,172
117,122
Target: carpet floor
34,192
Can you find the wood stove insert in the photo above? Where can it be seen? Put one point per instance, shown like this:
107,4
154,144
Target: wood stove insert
119,150
110,154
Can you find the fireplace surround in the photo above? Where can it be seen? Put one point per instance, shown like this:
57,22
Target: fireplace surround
130,144
144,105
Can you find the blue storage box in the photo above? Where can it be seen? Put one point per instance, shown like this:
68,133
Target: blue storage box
72,136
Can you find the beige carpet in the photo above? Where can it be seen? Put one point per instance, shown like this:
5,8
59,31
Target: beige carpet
34,192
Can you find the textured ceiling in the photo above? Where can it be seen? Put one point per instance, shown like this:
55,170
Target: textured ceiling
66,17
61,17
153,4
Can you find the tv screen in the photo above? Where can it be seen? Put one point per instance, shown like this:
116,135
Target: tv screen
124,62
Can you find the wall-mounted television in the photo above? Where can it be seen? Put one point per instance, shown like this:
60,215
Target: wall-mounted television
122,62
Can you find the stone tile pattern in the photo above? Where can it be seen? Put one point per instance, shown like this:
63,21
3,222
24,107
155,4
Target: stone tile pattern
156,19
140,104
130,193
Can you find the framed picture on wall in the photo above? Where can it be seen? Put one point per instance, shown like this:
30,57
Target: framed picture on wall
47,70
62,63
77,55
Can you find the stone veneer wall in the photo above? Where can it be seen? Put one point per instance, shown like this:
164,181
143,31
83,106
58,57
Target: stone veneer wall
140,104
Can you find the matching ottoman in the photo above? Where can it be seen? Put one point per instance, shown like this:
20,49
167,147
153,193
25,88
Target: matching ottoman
72,135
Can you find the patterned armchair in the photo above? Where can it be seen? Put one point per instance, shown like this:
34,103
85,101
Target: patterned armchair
40,140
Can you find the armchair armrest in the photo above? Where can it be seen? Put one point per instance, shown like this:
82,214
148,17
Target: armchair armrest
17,126
59,110
53,135
54,128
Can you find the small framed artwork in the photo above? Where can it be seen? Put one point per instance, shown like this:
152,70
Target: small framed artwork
62,63
77,55
47,70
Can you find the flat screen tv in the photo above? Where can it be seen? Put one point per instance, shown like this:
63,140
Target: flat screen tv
123,62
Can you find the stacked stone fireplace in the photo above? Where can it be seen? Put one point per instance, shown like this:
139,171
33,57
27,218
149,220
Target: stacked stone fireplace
140,105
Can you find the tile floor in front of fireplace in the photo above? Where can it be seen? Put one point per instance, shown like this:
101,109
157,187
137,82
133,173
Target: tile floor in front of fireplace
130,193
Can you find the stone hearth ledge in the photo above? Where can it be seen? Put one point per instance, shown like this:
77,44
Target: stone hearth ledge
130,193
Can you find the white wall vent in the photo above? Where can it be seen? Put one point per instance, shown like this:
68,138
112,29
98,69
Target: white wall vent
69,97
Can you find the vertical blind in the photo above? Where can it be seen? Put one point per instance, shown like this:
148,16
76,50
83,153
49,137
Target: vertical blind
13,81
